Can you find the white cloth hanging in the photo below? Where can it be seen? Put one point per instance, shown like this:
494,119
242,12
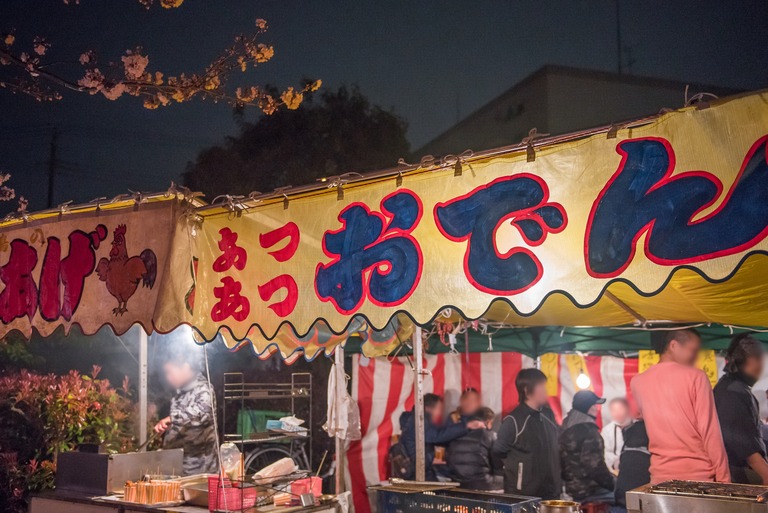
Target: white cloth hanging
343,413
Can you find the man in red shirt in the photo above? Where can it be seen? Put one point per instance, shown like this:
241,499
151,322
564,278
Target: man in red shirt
678,407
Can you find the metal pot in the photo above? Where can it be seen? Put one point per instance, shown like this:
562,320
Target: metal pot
559,507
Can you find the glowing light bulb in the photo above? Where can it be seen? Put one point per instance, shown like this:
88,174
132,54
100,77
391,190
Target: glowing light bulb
583,381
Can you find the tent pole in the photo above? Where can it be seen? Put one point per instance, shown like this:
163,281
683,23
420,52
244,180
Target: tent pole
341,456
418,408
143,345
621,304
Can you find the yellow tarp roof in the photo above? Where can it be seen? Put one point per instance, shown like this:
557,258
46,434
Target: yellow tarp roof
664,220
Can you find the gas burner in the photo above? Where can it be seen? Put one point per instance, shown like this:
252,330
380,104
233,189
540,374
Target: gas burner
712,490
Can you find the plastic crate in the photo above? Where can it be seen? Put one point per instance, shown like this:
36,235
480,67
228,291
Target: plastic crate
454,501
255,421
229,498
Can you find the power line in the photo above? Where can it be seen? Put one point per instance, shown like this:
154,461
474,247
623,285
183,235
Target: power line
52,163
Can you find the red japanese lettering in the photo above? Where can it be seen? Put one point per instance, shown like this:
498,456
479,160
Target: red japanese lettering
286,306
289,231
231,302
231,253
68,274
19,297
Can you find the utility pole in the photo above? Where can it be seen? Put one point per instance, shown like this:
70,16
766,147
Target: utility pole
618,36
52,164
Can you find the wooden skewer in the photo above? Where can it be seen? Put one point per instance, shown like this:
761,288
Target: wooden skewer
319,468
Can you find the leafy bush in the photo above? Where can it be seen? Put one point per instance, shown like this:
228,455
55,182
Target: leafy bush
42,415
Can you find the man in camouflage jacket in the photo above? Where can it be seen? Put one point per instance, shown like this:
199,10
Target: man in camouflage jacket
582,459
190,423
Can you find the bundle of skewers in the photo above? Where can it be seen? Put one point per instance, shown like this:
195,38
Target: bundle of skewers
155,491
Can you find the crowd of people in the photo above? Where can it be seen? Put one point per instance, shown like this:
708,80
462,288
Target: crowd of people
674,426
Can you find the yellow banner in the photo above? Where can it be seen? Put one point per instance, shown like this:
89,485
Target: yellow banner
646,359
550,368
688,191
707,362
102,265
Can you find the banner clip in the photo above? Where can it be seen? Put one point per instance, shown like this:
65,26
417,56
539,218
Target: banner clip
457,162
64,208
530,152
281,191
613,131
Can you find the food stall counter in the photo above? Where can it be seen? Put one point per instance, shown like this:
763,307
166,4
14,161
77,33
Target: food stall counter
70,502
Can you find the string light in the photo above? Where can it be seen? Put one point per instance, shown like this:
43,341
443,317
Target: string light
583,381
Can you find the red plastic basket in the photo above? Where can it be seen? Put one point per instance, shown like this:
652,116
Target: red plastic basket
229,498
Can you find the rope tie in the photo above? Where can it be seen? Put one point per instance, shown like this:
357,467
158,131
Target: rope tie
530,152
457,162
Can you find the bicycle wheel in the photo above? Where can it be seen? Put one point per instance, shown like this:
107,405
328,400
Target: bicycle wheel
260,458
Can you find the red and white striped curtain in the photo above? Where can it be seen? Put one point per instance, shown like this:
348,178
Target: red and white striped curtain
383,389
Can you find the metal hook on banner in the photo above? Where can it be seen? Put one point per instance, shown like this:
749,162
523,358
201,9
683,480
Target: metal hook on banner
699,99
338,182
613,132
138,198
64,207
97,202
232,203
530,152
399,178
282,191
186,193
458,162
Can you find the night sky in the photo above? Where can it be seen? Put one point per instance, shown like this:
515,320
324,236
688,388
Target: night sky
431,61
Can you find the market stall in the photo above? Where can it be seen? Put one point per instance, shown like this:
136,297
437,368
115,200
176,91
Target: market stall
656,221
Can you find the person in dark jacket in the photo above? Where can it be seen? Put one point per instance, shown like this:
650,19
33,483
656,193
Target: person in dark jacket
739,413
634,461
470,459
582,452
527,441
435,433
469,403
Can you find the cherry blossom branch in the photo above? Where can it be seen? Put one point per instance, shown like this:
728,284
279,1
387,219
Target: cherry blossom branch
36,78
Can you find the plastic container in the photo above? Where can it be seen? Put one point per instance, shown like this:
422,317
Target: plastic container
230,498
313,485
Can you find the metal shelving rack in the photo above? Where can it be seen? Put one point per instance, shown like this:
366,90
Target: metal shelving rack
239,393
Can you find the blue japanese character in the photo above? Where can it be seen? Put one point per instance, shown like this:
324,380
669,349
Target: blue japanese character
644,196
374,254
475,218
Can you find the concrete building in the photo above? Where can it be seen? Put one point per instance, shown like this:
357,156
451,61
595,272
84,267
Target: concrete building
557,100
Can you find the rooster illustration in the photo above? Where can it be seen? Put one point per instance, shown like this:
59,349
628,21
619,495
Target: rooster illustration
123,274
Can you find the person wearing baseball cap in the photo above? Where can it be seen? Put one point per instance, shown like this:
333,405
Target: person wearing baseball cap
585,474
